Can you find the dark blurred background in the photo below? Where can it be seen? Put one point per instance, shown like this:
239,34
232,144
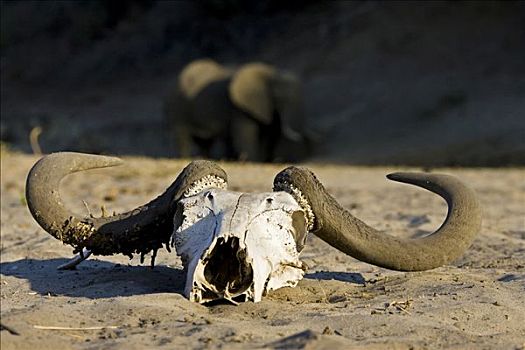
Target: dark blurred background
417,83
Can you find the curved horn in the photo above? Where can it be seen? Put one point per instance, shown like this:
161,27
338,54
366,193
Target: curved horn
342,230
140,230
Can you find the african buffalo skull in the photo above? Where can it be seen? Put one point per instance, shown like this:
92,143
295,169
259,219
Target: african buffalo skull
239,246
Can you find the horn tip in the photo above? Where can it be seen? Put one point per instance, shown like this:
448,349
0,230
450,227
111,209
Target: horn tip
398,176
410,178
101,161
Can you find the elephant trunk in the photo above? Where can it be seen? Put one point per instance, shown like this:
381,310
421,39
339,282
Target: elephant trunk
335,225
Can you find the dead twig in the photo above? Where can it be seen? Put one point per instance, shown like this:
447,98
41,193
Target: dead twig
87,208
402,305
58,328
71,264
33,140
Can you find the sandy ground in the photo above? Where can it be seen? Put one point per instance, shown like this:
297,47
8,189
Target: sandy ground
477,302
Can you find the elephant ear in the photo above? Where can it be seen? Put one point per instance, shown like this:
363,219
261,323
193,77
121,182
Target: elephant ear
198,74
250,90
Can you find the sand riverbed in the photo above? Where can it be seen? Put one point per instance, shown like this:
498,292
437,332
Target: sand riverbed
476,302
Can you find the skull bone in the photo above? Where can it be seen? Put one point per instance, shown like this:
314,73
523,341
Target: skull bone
239,246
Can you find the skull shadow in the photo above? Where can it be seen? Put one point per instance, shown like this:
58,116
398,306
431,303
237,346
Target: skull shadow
95,278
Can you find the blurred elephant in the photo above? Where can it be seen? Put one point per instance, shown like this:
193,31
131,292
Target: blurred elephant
248,112
192,116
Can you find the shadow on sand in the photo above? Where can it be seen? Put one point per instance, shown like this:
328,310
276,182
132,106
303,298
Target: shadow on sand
351,277
95,279
102,279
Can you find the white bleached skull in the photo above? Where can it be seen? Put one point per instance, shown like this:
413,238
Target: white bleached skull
239,246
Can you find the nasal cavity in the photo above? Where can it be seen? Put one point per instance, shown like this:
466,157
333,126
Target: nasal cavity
227,268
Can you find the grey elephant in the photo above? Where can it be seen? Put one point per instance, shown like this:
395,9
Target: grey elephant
246,113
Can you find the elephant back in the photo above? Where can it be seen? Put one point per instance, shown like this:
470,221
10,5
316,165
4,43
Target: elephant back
199,74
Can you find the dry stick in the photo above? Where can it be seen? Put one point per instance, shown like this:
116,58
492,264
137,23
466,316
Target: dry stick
400,308
322,289
87,208
57,328
71,264
33,140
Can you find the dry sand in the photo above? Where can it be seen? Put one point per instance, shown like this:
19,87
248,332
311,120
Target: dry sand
477,302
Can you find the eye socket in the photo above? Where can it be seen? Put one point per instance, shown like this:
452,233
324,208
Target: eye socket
300,232
269,200
209,195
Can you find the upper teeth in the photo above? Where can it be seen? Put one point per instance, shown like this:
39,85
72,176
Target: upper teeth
300,198
204,183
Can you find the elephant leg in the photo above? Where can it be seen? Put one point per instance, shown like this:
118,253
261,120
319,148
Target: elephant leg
270,136
169,138
205,146
244,135
230,153
183,141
